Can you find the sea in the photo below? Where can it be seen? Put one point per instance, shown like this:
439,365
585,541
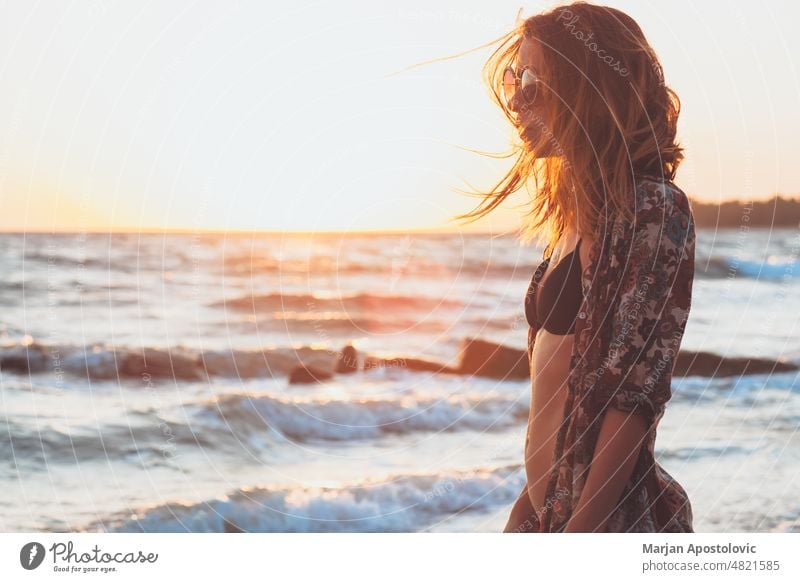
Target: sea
144,383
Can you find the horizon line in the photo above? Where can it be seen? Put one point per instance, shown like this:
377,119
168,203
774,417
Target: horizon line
244,232
203,230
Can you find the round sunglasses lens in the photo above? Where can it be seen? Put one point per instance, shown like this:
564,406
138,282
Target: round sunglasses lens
530,86
529,93
509,84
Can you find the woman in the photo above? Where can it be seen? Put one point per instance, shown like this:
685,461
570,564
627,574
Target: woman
607,306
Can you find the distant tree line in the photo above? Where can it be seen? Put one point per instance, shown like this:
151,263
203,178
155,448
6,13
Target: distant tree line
778,211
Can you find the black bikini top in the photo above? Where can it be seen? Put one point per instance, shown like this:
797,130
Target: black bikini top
559,298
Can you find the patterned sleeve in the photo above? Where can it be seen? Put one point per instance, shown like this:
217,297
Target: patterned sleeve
655,256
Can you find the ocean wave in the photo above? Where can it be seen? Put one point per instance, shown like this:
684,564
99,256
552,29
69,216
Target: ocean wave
258,263
398,503
38,447
145,364
340,323
355,302
109,263
698,453
723,267
251,425
713,267
362,418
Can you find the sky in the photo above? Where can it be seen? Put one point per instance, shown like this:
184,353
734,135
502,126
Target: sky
287,115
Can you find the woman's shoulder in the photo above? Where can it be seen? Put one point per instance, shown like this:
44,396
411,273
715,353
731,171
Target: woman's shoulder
661,194
659,205
662,208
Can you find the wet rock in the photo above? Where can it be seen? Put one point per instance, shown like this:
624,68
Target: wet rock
238,363
24,359
414,364
230,527
159,364
479,357
714,365
347,361
266,363
308,374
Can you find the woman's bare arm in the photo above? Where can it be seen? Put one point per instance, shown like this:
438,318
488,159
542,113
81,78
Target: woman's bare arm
618,444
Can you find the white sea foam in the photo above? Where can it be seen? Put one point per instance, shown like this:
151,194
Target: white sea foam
399,503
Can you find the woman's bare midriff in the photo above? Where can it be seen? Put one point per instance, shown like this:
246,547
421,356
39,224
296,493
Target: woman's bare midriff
549,371
550,368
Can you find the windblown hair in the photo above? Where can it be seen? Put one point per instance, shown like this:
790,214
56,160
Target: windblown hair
609,116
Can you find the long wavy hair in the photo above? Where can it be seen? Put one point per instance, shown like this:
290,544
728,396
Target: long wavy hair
609,115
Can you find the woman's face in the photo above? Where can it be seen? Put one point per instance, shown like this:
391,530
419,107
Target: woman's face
533,126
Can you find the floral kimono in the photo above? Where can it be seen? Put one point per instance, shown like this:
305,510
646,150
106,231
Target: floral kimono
637,293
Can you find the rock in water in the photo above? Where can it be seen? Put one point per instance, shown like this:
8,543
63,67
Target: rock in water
159,364
347,362
307,374
714,365
482,358
413,364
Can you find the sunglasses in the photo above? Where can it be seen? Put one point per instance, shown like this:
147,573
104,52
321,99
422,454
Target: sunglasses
528,85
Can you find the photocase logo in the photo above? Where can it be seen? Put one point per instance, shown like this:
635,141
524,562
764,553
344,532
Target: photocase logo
31,555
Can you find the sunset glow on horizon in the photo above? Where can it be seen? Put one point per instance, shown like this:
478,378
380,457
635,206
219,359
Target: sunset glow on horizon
289,117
